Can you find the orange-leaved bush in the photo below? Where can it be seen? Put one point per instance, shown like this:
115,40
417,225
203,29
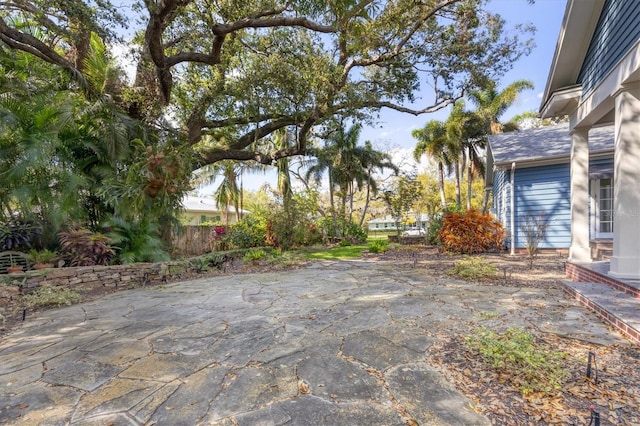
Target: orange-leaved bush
471,232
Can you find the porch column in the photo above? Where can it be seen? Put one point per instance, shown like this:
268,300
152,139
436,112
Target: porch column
579,250
625,262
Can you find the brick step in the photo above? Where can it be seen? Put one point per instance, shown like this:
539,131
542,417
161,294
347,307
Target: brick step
619,308
598,272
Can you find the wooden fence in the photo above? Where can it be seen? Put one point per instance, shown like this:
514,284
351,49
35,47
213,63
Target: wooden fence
192,240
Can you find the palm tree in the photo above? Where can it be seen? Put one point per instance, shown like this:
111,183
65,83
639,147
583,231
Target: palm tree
434,142
324,162
281,141
467,130
371,160
228,192
490,106
350,167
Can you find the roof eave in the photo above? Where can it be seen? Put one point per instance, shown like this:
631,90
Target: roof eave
578,25
548,161
562,102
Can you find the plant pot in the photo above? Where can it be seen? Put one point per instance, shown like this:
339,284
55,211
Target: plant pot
39,266
14,269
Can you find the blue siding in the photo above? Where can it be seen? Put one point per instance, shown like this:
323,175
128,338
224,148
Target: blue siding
618,29
500,200
544,191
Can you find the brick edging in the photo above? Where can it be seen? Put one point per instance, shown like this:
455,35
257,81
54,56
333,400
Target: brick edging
577,273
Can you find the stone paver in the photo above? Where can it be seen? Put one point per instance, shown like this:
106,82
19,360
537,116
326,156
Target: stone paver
335,343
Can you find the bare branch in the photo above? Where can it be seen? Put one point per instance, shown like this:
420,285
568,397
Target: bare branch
30,44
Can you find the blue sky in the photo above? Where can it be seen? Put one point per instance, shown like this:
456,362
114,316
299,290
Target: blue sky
395,128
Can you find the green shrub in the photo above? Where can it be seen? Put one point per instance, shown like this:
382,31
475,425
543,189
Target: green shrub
51,296
530,366
247,233
433,230
136,241
345,242
355,232
378,246
42,256
472,268
254,255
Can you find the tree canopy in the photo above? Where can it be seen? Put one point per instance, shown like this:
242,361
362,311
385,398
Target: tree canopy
218,78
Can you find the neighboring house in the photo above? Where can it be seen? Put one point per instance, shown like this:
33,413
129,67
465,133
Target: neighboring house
530,170
387,223
595,80
198,211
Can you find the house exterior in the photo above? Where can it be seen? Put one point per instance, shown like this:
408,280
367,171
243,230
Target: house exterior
595,80
199,211
530,170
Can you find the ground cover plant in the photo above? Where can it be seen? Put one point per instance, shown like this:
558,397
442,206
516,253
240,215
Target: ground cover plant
254,255
529,365
46,296
473,268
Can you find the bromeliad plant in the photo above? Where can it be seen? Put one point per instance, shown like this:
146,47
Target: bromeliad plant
81,247
18,234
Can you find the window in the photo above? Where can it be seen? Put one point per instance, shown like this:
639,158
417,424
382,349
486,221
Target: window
602,208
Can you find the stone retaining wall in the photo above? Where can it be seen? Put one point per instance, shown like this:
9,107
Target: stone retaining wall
89,276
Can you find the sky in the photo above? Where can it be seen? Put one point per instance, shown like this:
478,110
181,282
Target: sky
546,15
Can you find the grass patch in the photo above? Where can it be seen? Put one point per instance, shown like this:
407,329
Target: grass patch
346,252
51,296
530,366
472,268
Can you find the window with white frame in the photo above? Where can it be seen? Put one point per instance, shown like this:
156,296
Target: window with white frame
602,208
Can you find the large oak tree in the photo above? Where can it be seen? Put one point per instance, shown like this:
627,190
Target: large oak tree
220,77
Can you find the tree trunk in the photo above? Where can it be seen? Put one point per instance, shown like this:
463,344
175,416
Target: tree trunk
469,181
456,169
351,203
333,207
366,202
443,199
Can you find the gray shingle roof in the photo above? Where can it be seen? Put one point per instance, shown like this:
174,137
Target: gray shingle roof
551,142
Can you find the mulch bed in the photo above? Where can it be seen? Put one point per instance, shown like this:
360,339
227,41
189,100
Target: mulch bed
616,395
